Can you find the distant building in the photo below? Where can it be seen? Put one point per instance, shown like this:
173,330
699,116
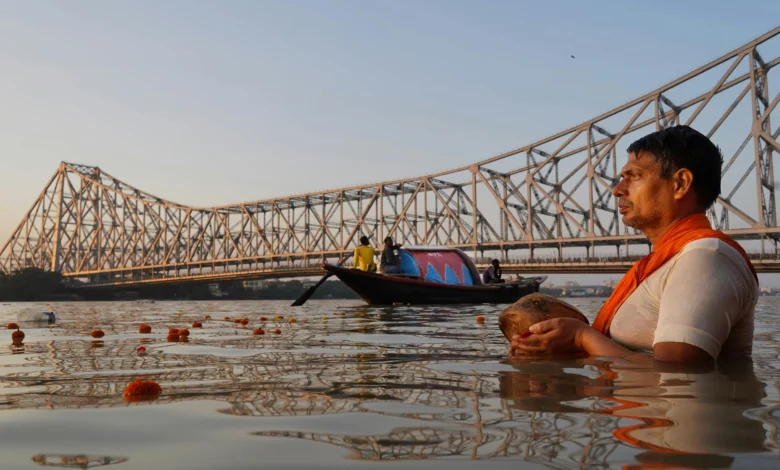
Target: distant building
215,290
255,284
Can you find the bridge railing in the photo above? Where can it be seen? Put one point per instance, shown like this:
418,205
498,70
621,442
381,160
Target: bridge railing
568,259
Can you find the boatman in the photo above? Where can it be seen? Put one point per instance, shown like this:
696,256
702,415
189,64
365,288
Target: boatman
363,256
492,275
691,300
390,263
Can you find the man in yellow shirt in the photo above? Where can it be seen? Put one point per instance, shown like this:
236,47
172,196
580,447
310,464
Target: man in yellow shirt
364,255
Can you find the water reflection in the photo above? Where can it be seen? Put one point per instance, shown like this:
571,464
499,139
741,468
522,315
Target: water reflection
75,461
685,418
432,383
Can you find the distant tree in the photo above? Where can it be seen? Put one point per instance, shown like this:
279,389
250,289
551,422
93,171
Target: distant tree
30,284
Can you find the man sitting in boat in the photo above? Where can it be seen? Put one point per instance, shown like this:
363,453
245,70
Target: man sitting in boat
692,298
492,275
390,262
363,256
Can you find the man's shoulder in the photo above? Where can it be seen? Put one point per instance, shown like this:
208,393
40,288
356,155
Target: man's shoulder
715,254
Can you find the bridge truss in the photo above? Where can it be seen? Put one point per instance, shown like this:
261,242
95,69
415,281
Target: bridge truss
550,199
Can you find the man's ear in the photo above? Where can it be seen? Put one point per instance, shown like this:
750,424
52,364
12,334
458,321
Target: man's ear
683,182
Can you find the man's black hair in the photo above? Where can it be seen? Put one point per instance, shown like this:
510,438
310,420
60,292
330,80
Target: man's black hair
681,147
364,240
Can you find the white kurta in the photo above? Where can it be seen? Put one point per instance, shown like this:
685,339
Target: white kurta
704,296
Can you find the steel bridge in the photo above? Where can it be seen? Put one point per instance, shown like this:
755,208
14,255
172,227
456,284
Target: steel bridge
545,207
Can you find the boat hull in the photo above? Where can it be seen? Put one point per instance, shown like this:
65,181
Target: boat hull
379,289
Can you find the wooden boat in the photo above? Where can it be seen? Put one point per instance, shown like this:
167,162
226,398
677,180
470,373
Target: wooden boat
432,275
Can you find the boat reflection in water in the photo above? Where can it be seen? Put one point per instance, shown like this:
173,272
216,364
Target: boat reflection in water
381,384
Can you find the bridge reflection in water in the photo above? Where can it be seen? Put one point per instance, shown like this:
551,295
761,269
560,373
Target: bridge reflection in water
445,384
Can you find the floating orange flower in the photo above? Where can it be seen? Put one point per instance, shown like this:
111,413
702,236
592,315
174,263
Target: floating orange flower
144,328
142,389
263,319
480,319
279,317
98,333
207,317
173,337
184,332
17,335
258,331
227,318
292,320
141,350
244,321
173,331
237,321
97,344
197,324
13,326
277,332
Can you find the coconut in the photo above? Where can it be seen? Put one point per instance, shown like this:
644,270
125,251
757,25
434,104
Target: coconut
534,308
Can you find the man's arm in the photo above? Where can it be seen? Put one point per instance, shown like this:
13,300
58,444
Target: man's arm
679,352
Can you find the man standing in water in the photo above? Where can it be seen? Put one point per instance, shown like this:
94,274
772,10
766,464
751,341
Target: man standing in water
692,298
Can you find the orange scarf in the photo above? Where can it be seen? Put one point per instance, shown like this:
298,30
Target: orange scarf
692,228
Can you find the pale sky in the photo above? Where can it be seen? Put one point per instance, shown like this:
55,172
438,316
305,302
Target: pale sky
210,103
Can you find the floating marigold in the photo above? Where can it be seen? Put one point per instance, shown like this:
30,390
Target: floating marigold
141,350
480,319
227,318
277,332
324,318
263,319
197,324
207,317
237,321
173,331
184,332
244,321
98,333
142,389
144,328
292,320
17,335
173,337
13,326
258,331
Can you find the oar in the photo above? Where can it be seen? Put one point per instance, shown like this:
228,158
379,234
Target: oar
302,299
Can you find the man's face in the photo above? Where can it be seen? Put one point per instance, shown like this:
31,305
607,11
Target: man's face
643,195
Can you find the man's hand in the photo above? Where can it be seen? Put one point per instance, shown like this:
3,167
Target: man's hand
556,336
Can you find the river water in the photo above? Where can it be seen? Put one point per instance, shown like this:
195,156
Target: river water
413,387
